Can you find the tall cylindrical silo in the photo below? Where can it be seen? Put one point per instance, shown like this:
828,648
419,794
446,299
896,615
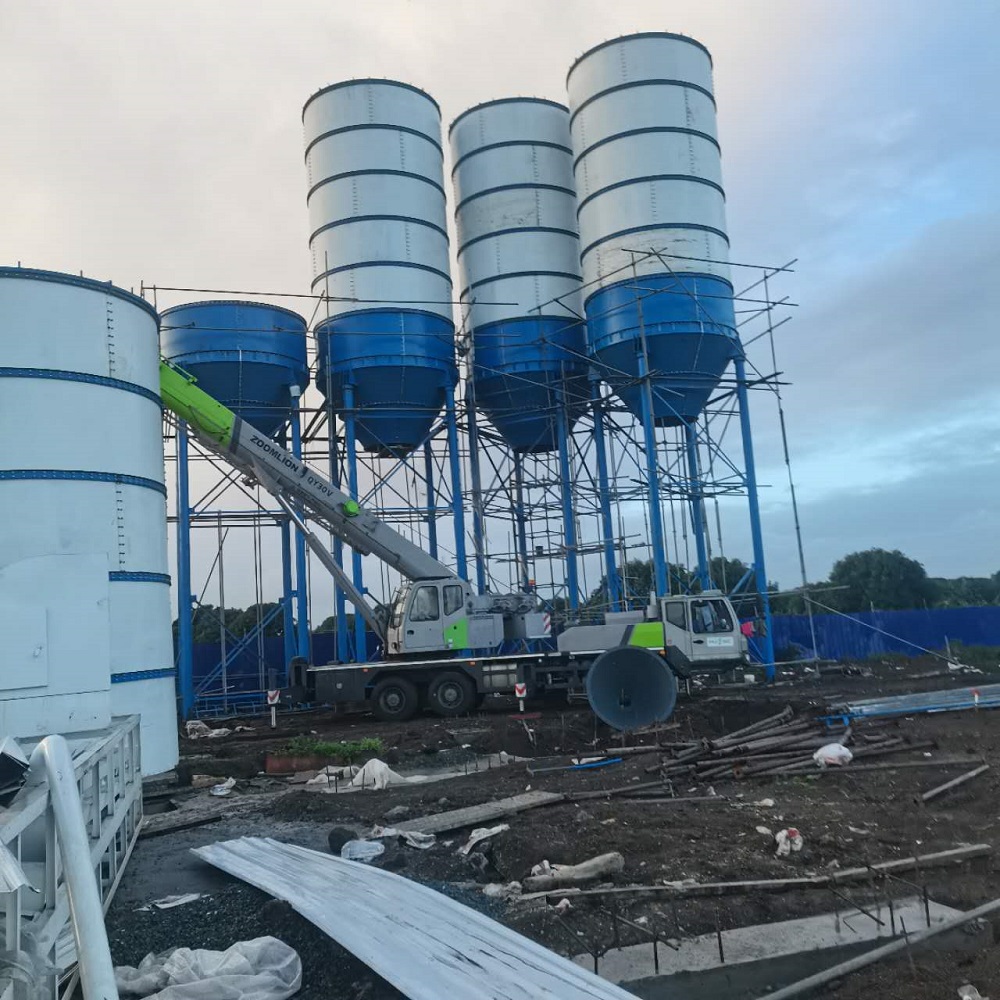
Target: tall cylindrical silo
519,262
83,537
651,212
247,355
379,242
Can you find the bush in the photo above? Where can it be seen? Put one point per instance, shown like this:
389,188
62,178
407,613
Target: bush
345,752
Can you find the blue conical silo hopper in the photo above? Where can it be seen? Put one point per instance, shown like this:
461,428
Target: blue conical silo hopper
247,355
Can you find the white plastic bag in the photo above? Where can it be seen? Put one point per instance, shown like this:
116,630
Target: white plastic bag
376,775
262,969
362,850
833,753
787,841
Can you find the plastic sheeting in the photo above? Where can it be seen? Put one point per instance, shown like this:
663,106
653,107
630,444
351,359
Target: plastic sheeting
262,969
426,945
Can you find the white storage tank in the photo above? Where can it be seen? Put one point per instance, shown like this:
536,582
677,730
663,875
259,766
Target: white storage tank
84,591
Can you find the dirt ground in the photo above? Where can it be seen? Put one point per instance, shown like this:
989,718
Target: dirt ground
847,819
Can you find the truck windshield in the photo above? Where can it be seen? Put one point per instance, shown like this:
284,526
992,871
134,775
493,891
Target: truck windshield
711,615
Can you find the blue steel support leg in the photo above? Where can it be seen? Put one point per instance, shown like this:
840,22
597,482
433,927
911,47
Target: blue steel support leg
432,528
653,482
455,465
339,600
301,598
185,626
760,571
478,534
697,505
286,592
569,521
360,640
607,524
520,519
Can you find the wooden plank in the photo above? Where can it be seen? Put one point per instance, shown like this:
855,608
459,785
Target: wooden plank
455,819
938,859
151,828
954,783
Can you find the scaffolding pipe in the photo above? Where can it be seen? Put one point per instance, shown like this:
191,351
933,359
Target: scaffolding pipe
697,506
301,597
97,973
611,576
569,522
357,572
185,627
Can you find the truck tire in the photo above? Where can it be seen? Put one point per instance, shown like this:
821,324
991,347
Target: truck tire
451,694
394,699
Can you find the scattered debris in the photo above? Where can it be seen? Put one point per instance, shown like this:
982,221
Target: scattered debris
262,969
332,775
689,887
563,905
556,876
362,850
169,902
203,780
765,831
787,840
833,755
969,992
421,841
396,813
224,788
195,729
377,775
933,793
497,890
13,770
482,833
765,803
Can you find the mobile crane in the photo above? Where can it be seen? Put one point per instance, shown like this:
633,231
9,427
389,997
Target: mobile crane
441,639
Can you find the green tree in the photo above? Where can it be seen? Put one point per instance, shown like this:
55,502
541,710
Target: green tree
879,579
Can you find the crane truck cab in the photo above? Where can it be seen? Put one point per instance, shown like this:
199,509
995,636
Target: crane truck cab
694,632
444,616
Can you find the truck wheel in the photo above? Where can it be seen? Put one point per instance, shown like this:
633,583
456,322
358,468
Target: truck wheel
451,694
394,700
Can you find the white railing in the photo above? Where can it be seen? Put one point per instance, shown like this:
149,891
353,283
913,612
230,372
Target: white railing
36,926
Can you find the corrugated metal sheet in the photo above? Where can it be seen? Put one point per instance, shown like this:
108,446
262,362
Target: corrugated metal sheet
840,638
425,944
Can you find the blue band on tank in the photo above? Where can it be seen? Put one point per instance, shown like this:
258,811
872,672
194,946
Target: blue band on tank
513,187
641,83
511,142
380,218
375,125
376,173
382,263
648,179
143,675
654,228
506,100
632,132
85,377
90,477
518,229
129,576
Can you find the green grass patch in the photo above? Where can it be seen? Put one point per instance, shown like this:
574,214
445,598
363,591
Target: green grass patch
346,751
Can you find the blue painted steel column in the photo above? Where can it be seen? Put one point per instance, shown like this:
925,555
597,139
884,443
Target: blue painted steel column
339,599
653,481
185,626
697,505
569,522
457,506
521,528
614,585
360,639
760,571
432,528
288,617
301,598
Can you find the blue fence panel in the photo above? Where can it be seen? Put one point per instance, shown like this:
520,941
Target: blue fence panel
839,638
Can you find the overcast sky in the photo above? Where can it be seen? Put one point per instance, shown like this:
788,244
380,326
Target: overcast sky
161,143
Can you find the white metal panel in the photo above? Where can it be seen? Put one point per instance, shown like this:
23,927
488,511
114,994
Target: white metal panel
371,102
643,122
520,208
513,164
640,57
518,150
422,942
382,142
607,259
649,153
381,149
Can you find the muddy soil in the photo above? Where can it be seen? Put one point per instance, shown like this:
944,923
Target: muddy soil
847,818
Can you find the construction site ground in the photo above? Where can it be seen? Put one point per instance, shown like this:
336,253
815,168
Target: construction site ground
848,818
